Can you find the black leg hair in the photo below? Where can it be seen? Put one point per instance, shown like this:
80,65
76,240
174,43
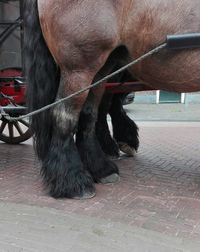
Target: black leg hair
63,171
106,141
125,131
100,167
62,168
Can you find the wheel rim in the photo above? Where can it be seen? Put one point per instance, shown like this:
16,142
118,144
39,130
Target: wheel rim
14,132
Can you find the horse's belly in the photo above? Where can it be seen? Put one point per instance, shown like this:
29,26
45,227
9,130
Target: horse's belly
172,71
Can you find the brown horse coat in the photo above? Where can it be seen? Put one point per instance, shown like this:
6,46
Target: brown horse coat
81,35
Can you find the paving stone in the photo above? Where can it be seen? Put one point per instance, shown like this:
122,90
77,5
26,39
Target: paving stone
32,228
159,192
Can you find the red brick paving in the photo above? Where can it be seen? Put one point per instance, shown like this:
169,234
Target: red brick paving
159,190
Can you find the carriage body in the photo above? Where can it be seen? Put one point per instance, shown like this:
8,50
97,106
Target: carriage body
13,89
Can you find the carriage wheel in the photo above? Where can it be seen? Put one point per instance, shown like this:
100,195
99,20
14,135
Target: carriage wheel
14,132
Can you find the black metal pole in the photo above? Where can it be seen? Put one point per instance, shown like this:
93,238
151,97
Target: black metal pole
8,31
21,9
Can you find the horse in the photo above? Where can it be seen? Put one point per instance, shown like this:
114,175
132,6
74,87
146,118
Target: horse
69,44
125,131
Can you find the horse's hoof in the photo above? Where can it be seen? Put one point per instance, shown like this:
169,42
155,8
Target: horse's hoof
127,149
113,178
88,195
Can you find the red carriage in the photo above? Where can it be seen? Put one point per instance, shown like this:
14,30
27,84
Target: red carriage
12,91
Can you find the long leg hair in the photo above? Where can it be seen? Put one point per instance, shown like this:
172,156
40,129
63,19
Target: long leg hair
43,77
62,168
125,131
62,176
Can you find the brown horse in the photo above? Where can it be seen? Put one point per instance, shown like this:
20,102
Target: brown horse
71,43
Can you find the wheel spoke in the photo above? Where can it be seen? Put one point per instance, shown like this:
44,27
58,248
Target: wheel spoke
10,128
24,123
14,132
3,125
19,129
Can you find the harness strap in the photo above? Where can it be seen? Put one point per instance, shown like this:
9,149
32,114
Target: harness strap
183,41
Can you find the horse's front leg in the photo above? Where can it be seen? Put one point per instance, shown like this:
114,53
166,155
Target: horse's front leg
62,168
100,167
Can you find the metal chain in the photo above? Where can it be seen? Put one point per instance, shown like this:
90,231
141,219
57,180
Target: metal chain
134,62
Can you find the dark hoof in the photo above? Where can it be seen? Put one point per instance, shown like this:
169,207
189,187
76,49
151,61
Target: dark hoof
80,186
113,178
127,149
85,196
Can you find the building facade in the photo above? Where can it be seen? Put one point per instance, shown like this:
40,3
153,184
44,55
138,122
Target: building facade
10,50
157,97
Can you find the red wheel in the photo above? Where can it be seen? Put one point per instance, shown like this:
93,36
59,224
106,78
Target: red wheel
19,131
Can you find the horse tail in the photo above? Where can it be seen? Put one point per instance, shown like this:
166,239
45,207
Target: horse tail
43,77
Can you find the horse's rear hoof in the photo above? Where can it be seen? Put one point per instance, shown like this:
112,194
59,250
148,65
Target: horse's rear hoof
113,178
127,149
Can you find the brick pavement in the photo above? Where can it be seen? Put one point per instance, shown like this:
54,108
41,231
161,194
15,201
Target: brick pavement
159,192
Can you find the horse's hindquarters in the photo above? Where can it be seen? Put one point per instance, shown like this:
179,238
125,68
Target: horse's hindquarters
150,23
79,35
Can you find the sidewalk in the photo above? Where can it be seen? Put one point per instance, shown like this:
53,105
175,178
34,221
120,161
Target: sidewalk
164,112
35,229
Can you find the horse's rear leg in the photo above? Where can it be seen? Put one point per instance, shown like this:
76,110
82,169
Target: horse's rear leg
125,131
62,168
100,167
108,144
